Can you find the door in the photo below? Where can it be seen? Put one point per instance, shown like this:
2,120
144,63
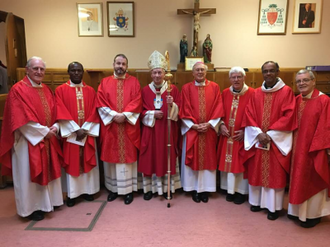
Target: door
15,46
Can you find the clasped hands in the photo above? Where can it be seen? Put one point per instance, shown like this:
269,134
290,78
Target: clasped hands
263,139
119,118
202,127
52,132
239,134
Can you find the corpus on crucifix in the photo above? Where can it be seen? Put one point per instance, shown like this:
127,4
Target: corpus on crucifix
196,12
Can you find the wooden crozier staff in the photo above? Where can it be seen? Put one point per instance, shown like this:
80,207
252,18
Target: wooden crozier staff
168,78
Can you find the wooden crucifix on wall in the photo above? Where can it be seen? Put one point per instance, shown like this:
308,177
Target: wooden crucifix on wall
196,12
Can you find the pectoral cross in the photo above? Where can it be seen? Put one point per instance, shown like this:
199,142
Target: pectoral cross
196,12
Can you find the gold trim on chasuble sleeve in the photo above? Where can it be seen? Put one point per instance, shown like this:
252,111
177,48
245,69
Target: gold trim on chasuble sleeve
202,119
48,120
121,127
265,155
301,109
81,120
231,125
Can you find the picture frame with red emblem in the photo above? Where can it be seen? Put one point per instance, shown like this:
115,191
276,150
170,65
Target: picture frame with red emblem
120,19
272,19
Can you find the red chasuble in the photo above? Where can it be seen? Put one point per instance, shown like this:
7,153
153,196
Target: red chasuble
153,151
201,104
77,104
25,104
229,151
119,142
270,111
310,172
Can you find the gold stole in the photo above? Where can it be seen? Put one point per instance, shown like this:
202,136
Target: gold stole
48,119
202,119
81,120
121,127
265,155
231,125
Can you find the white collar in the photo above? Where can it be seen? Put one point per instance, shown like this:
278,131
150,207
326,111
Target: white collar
279,84
34,84
76,85
200,84
243,91
164,87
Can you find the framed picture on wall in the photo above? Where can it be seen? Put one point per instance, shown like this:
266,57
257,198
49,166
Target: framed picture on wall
190,61
272,16
90,19
120,19
307,16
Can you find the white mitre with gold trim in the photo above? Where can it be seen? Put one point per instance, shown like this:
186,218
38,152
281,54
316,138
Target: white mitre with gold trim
157,60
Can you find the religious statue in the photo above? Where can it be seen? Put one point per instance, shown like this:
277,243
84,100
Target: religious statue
196,12
207,49
183,48
193,52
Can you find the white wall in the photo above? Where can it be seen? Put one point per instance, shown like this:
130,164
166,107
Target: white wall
51,32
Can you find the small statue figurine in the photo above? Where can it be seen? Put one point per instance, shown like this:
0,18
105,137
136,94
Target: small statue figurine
207,49
193,52
183,48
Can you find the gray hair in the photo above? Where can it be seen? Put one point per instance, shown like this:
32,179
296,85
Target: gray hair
205,66
28,63
305,71
236,69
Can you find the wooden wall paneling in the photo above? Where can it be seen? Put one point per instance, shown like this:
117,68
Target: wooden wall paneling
222,79
323,81
249,79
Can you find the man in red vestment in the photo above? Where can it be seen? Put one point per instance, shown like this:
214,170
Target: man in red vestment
79,125
201,110
29,148
231,142
270,119
309,197
119,106
153,159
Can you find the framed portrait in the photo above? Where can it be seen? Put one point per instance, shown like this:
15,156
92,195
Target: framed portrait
120,19
90,19
272,16
190,61
307,16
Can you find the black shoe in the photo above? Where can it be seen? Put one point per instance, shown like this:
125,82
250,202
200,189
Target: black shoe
255,208
195,197
112,196
128,198
272,216
204,197
36,216
239,198
309,223
147,196
230,197
70,202
165,195
292,217
88,197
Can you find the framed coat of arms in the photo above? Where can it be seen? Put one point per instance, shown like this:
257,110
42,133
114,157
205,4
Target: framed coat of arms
120,19
272,17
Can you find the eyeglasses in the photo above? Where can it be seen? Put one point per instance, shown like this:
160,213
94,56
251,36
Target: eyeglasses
305,80
236,77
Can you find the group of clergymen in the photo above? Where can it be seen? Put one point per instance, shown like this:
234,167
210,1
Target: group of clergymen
255,137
